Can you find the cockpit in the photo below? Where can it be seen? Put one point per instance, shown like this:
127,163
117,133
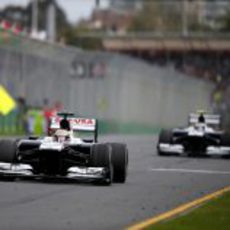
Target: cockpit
63,134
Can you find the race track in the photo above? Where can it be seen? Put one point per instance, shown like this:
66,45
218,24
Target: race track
155,184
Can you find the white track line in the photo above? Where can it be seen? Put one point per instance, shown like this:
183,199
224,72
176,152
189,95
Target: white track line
201,171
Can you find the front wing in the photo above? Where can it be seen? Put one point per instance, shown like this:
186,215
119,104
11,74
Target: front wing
73,173
179,149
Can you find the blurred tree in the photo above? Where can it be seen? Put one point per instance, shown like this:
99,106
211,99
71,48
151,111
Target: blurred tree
225,22
75,37
61,18
23,15
158,16
15,14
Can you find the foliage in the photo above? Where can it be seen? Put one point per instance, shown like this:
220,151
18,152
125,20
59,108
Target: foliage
167,16
75,37
225,22
158,16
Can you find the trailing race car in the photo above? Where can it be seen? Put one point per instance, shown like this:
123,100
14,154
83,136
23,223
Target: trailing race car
63,155
201,137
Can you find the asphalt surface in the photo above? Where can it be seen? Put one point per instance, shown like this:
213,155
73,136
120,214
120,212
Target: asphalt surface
155,184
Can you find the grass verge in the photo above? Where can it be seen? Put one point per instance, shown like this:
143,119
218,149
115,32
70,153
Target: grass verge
212,215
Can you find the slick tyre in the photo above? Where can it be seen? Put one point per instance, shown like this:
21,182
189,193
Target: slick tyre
101,157
120,162
7,155
165,137
8,151
225,141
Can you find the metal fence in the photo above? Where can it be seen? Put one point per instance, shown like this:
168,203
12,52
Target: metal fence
123,92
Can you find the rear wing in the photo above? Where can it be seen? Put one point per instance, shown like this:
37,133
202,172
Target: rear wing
77,124
210,119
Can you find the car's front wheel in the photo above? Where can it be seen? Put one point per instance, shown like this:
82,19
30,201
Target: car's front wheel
120,162
101,157
165,137
7,155
225,141
8,151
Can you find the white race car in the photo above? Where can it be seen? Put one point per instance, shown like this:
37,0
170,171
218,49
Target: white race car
201,137
65,155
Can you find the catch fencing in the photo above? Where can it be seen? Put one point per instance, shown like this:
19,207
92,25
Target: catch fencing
124,93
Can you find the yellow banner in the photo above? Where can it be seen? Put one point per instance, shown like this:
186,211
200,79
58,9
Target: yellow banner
7,103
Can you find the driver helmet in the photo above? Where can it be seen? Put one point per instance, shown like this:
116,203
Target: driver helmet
64,124
201,118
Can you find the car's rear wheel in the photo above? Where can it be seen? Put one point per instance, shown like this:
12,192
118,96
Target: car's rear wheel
101,157
120,162
165,137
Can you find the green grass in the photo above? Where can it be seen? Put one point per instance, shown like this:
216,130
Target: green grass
214,215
